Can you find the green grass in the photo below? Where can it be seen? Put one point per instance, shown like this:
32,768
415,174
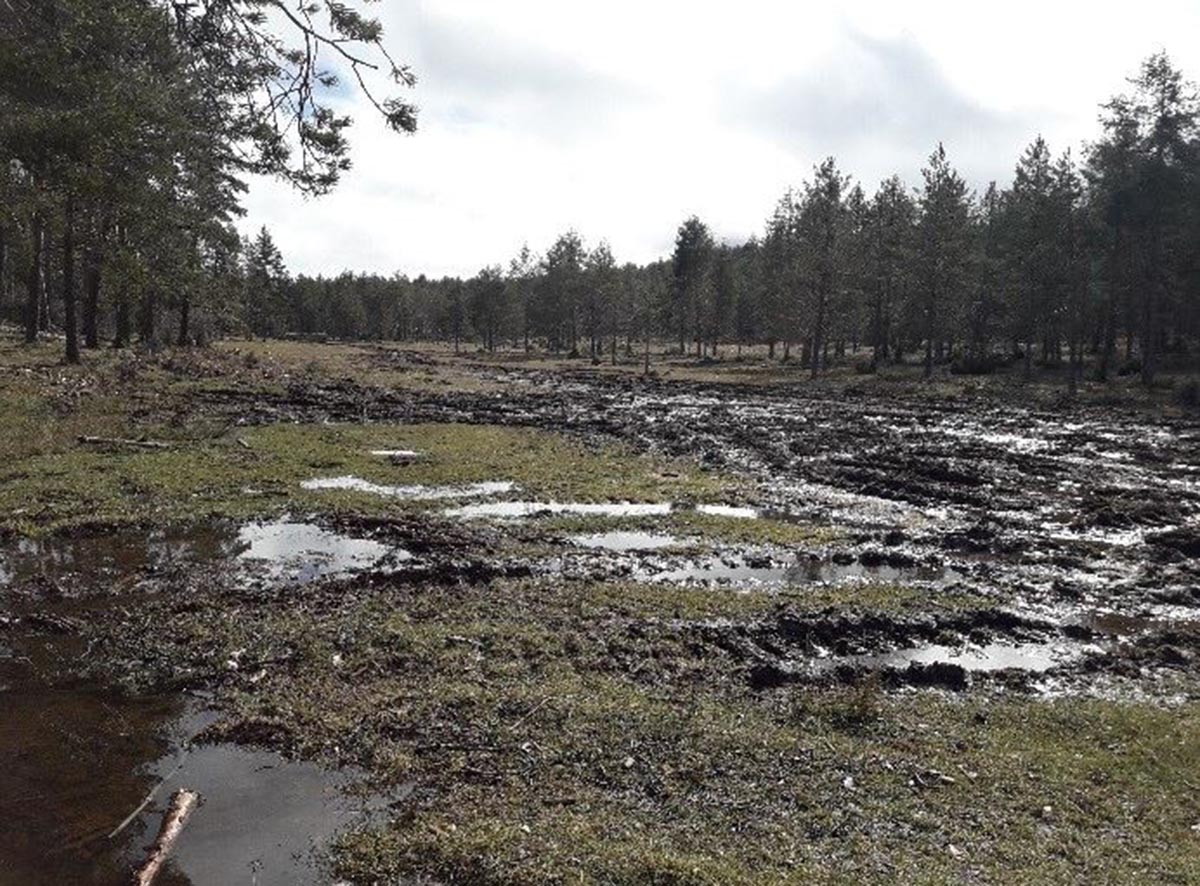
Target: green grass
65,483
573,733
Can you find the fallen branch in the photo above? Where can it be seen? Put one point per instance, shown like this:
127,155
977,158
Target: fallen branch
121,441
183,802
146,802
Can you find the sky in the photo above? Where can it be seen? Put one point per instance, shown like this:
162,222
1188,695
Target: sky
620,119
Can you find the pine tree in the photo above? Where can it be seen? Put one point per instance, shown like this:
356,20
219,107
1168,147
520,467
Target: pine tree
266,278
690,265
943,251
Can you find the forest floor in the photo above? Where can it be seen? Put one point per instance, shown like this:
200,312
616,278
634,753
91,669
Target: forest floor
402,615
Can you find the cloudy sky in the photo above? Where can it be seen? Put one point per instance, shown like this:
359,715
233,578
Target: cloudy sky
621,118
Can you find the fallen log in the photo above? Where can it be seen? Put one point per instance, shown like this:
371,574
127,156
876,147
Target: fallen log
121,441
183,802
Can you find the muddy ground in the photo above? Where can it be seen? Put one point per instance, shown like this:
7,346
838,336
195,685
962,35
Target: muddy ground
469,619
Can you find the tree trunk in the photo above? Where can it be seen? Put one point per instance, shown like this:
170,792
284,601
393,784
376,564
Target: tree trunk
185,319
3,269
930,306
146,317
818,337
33,301
646,350
91,297
68,282
1149,337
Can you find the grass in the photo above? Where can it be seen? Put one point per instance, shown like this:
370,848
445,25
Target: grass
559,733
50,481
585,731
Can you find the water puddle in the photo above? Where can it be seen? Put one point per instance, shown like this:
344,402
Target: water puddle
281,549
1119,624
515,509
805,571
413,493
79,762
507,510
108,556
1033,657
734,511
396,453
303,552
626,541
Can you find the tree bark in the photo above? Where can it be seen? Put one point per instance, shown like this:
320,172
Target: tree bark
68,282
146,316
185,320
33,301
183,803
91,297
3,268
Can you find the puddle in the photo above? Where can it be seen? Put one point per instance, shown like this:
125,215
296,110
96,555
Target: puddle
78,762
414,493
800,572
515,509
282,549
734,511
626,541
1034,657
303,551
106,557
396,453
1119,624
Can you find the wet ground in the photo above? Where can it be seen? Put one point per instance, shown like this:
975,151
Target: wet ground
1074,535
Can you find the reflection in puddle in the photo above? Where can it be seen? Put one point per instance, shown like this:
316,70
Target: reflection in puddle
805,571
415,493
513,509
120,552
303,551
626,541
1119,624
1035,657
261,814
78,762
395,453
734,511
285,549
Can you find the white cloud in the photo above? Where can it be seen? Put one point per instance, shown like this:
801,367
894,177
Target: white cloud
622,118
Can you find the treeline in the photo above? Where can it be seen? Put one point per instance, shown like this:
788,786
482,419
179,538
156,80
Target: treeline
1093,259
125,129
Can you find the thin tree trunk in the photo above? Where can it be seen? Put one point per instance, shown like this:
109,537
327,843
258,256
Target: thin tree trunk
185,320
646,348
68,282
91,297
44,289
33,301
929,309
121,319
146,317
3,269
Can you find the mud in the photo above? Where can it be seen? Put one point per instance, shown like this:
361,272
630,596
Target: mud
1083,502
